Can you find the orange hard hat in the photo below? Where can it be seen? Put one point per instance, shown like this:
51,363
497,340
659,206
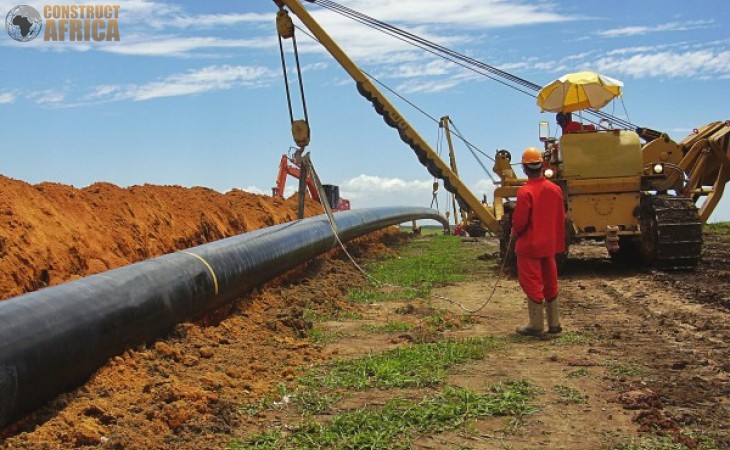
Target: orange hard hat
531,155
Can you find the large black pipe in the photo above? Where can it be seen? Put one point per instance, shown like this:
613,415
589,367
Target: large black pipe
52,340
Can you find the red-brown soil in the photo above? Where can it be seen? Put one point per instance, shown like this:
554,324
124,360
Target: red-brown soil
51,233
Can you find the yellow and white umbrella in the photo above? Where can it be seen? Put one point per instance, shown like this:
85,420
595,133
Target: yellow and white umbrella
577,91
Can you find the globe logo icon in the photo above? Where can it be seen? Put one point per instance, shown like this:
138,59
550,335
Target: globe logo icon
23,23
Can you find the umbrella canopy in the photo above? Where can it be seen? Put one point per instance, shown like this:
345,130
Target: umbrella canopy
576,91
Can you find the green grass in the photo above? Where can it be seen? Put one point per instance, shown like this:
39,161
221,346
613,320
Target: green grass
721,228
390,327
394,425
579,373
370,296
423,264
426,230
268,402
312,401
568,395
437,260
410,366
316,317
323,337
439,321
623,368
572,338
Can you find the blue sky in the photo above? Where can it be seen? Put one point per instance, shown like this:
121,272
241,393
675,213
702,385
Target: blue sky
193,94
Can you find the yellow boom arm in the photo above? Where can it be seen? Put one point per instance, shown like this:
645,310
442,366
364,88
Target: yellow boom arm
426,155
706,162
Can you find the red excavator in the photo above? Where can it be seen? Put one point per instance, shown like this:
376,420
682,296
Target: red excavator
291,165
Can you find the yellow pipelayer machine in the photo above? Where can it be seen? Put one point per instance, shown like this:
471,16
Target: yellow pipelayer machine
640,199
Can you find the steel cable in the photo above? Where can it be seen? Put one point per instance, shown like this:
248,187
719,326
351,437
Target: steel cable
455,57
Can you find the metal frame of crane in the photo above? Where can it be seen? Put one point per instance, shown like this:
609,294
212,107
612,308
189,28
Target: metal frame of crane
426,155
698,166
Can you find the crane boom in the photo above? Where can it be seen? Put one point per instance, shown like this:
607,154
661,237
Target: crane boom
426,155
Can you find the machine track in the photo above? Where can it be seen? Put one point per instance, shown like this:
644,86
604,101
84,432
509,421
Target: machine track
671,232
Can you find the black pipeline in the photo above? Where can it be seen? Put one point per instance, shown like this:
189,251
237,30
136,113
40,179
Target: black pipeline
52,340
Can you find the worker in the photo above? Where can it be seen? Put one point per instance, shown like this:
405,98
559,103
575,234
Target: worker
538,227
568,125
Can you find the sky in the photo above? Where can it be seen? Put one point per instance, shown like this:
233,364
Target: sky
192,94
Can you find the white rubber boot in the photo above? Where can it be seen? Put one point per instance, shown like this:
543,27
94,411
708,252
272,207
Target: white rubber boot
536,325
553,317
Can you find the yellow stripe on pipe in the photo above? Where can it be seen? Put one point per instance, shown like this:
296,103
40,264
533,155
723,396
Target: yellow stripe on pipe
210,269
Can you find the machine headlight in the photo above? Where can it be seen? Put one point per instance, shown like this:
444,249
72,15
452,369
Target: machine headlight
658,168
549,173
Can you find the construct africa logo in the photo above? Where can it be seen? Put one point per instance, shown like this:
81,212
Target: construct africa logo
64,22
23,23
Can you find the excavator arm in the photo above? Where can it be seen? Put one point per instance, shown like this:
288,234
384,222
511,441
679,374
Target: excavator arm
426,155
287,166
706,163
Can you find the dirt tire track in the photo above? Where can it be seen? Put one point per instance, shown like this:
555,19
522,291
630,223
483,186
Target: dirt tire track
678,336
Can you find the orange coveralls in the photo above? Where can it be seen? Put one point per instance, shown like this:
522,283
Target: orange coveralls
538,225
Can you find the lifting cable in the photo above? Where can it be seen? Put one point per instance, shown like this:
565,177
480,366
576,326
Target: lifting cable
491,72
491,294
439,149
414,106
430,47
417,108
307,163
335,232
299,76
454,57
474,151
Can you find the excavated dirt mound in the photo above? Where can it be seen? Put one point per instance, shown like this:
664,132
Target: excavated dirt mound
51,233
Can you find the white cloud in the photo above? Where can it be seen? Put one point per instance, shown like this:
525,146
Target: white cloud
481,14
373,184
213,20
141,20
700,63
413,70
47,97
450,24
373,190
641,30
181,47
708,60
7,98
133,11
483,187
369,191
366,191
434,20
207,79
427,86
638,49
255,190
